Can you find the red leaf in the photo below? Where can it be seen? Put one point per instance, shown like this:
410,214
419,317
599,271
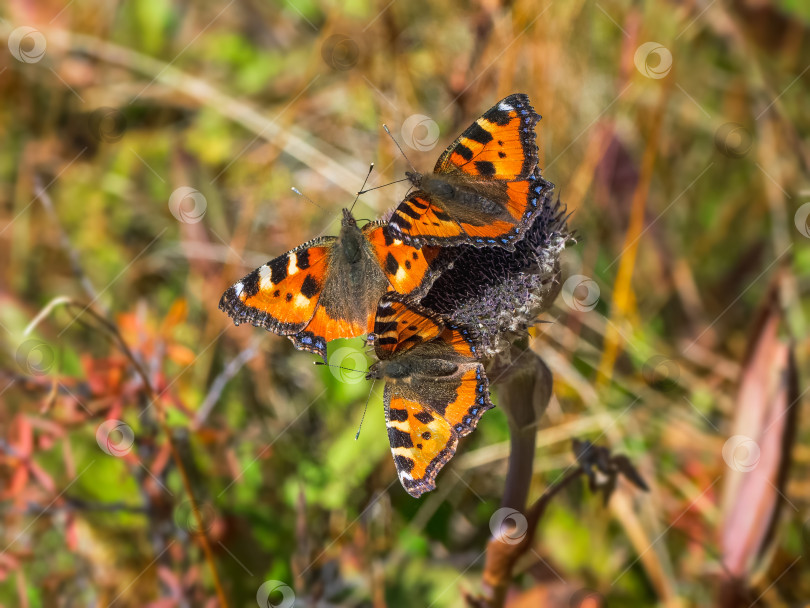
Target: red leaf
757,453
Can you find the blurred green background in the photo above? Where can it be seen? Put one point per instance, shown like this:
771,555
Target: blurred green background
148,151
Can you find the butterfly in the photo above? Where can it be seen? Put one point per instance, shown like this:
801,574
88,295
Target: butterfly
482,191
435,389
329,287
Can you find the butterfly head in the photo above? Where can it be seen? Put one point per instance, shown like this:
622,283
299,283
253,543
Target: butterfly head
348,218
388,370
414,177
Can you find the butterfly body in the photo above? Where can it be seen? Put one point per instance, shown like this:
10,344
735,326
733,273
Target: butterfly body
355,281
329,287
435,392
482,190
464,200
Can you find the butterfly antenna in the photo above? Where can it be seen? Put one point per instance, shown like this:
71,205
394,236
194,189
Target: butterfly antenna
404,179
345,369
305,197
400,149
365,181
365,407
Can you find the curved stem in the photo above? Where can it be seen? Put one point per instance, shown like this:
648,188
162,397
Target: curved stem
524,389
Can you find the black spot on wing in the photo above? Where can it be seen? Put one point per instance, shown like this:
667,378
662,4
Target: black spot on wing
498,116
278,269
398,415
391,264
464,152
399,439
383,327
424,417
409,211
302,259
477,133
309,287
485,168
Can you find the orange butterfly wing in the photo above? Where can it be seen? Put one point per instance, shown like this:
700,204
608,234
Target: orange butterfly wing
282,294
500,145
484,190
463,340
423,433
400,325
422,442
421,220
407,268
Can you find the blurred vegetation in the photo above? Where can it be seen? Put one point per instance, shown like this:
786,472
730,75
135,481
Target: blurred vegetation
686,180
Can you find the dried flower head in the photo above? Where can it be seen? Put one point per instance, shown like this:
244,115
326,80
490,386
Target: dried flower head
500,293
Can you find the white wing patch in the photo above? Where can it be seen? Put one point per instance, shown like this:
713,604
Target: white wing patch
264,278
292,266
